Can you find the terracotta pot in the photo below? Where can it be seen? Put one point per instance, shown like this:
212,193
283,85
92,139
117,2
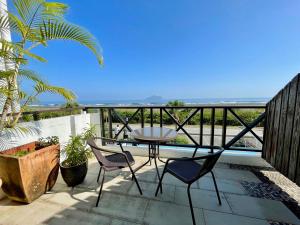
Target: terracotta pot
28,177
2,195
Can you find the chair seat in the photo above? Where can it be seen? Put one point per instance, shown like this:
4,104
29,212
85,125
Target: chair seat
118,160
186,171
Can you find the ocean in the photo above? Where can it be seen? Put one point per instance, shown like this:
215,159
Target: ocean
156,100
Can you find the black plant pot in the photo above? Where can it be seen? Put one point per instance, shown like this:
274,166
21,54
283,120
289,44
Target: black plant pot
74,175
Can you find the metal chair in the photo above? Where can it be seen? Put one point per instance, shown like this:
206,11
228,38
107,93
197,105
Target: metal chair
112,162
188,171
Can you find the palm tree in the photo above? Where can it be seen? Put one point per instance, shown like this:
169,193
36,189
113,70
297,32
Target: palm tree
35,23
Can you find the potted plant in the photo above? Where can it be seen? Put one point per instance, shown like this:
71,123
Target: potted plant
75,165
29,170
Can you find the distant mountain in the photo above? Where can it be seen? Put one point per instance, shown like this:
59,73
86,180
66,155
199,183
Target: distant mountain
154,99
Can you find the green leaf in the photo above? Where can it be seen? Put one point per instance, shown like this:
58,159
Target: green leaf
30,75
55,9
41,87
58,30
10,50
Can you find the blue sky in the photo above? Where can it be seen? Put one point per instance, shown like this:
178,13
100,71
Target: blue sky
178,49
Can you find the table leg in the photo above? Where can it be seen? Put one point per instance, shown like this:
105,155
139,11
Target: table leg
155,148
144,164
158,155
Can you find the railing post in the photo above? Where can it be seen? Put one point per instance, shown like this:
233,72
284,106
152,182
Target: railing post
142,117
110,123
212,132
102,124
224,127
84,110
151,117
160,117
201,127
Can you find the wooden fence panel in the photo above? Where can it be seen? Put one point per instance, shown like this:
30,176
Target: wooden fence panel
275,128
269,134
295,137
282,132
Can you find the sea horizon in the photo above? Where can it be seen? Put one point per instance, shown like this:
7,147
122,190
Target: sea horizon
155,100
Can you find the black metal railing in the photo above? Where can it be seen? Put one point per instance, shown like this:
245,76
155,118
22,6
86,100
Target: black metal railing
158,115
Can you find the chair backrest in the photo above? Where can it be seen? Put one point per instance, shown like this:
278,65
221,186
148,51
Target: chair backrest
209,163
97,152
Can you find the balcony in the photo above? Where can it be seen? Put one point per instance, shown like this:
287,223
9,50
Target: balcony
252,192
247,198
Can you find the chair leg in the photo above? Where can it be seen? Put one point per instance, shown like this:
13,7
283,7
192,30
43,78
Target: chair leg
191,205
100,189
136,181
216,187
149,154
99,174
160,183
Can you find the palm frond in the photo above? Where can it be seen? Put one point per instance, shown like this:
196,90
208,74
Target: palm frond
54,9
16,25
10,50
22,95
41,87
11,135
28,9
55,30
4,23
30,75
33,12
4,74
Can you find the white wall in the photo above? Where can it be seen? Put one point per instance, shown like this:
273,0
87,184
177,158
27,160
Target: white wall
63,127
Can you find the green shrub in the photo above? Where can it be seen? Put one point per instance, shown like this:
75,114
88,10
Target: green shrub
181,140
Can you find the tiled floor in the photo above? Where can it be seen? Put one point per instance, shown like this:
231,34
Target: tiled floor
245,201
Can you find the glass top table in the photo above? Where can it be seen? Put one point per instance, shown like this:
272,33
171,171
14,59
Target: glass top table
154,136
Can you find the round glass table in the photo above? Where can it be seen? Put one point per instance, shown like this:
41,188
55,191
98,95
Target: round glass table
154,136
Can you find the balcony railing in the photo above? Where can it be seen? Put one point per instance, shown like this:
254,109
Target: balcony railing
204,126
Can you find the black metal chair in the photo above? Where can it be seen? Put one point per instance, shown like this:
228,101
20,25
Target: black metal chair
188,171
112,162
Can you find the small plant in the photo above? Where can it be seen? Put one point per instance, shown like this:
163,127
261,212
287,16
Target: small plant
22,153
76,151
45,142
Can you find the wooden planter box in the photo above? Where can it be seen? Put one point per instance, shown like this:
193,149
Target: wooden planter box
28,177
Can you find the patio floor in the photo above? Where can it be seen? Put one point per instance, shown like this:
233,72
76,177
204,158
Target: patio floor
247,199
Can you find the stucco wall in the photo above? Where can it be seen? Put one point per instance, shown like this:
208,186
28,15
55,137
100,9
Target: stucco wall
63,127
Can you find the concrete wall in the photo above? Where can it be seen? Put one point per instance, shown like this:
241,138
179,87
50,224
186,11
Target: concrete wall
63,127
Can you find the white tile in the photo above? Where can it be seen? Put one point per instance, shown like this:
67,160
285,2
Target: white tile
149,189
163,213
230,186
218,218
261,208
116,205
235,174
201,199
170,179
74,216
